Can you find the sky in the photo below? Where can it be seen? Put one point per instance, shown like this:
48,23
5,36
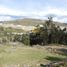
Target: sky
38,9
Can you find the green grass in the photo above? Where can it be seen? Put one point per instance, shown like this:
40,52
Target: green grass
18,55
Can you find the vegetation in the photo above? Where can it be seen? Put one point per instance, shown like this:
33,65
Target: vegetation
35,56
26,39
18,55
10,34
49,34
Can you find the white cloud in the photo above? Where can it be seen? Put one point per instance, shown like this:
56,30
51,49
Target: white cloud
47,10
7,18
8,11
32,14
52,10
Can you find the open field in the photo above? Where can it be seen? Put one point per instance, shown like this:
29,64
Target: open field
26,56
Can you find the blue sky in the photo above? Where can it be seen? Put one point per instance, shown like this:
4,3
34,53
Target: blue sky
38,9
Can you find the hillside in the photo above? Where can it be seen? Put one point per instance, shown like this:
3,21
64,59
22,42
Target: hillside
25,22
32,22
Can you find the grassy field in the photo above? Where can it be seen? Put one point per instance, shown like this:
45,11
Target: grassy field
25,56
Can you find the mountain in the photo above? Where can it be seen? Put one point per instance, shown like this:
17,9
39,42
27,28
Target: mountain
25,22
32,22
5,17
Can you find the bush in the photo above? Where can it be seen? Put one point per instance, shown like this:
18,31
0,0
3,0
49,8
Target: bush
26,39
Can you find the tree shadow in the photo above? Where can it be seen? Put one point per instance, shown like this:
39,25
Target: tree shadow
42,65
62,51
53,59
